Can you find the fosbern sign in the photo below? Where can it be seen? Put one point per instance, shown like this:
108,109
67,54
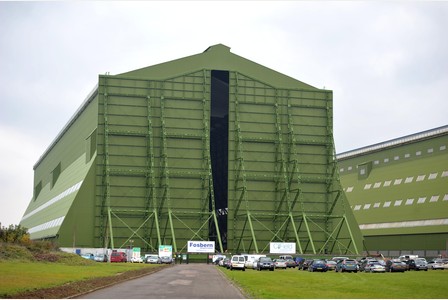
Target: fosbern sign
201,247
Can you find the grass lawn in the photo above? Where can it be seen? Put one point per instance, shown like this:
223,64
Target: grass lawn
292,283
24,276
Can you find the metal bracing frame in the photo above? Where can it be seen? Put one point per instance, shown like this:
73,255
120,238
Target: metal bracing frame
291,213
108,211
151,203
207,215
240,184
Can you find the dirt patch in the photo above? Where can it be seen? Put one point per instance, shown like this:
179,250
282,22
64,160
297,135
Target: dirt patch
73,289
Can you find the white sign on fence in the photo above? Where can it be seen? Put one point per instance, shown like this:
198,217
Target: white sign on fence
282,248
201,247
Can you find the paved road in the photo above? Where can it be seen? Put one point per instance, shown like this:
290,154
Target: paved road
186,281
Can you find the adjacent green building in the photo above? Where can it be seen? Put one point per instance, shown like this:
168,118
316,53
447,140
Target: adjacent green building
398,191
209,147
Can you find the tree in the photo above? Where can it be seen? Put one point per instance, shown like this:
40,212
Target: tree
14,234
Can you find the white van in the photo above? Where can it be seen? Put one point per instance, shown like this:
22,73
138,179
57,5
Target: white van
237,262
407,257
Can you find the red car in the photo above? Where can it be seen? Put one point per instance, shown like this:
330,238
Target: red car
118,257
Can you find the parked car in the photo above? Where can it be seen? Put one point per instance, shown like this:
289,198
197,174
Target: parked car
280,263
299,260
222,261
374,267
438,264
153,259
318,266
367,262
331,264
88,256
290,263
237,262
347,265
118,257
417,264
136,259
227,262
265,263
338,258
396,266
166,260
100,258
305,264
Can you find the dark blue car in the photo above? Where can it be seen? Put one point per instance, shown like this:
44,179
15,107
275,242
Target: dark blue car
318,266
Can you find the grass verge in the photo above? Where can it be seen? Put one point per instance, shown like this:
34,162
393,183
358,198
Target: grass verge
293,284
58,280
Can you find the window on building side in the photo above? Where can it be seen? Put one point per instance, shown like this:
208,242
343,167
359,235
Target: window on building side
409,202
55,175
421,200
409,179
432,176
421,177
37,190
434,199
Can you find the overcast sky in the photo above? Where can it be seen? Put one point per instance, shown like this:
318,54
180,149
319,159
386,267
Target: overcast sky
386,62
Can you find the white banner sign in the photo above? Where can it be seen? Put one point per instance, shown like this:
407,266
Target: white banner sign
201,247
282,248
166,250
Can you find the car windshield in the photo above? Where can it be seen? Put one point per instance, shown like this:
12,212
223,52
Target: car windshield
265,259
319,262
349,261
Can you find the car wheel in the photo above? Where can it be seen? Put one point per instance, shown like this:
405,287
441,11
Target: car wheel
244,269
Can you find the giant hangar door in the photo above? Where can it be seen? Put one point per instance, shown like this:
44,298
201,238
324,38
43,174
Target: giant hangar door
216,155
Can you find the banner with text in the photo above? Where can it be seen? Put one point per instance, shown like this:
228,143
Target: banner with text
201,247
282,248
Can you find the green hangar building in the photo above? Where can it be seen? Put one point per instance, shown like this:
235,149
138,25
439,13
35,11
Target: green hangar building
398,191
209,147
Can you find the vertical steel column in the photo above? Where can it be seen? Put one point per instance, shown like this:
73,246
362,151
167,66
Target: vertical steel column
106,165
294,176
165,172
151,203
240,172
